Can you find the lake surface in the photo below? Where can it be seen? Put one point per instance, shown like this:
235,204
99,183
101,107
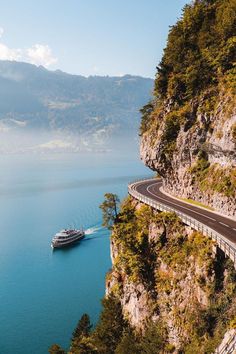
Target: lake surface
44,293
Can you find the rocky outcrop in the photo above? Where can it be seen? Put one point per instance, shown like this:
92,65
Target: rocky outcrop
184,275
163,272
188,130
136,301
210,140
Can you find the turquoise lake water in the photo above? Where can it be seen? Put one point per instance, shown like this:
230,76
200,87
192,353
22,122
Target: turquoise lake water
44,293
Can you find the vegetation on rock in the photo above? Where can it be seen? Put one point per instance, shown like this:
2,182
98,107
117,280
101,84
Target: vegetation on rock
56,349
176,278
193,107
199,58
80,333
215,178
201,48
190,285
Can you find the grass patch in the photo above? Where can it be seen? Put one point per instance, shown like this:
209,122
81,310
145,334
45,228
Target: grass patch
194,202
214,178
234,132
218,179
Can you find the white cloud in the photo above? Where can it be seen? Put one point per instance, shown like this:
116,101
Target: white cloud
40,54
7,53
56,144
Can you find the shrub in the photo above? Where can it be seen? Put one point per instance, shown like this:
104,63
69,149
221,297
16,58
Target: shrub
233,129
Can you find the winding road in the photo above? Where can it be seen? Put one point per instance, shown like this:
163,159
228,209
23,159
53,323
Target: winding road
221,229
222,225
211,224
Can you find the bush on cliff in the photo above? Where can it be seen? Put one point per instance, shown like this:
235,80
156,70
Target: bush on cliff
199,58
201,47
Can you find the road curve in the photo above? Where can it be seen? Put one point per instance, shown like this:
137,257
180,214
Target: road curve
219,223
148,191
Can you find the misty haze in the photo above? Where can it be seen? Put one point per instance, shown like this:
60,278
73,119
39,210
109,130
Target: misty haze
46,111
118,177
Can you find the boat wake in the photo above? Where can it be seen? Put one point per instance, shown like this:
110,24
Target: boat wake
92,230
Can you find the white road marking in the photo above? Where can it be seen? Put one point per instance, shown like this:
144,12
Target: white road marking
159,183
156,184
196,212
223,224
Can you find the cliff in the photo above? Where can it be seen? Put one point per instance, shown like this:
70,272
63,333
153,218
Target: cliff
167,275
171,290
188,130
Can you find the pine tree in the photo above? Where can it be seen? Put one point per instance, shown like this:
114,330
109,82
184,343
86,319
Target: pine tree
56,349
154,340
110,327
83,327
128,344
82,330
109,209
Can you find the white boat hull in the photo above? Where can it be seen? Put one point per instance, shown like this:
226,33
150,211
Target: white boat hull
67,243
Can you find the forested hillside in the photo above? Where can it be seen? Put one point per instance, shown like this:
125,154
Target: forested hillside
188,129
171,289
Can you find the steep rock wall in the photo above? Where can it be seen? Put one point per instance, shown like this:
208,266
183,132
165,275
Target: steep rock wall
188,129
201,163
166,273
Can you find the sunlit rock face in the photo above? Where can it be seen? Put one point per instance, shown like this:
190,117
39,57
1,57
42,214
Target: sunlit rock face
184,274
188,129
201,164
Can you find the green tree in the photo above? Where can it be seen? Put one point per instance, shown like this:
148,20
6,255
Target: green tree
145,111
82,330
56,349
154,340
110,327
128,344
84,346
109,209
200,45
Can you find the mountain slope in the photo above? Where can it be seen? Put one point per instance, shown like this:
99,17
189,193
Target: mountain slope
58,102
189,128
175,288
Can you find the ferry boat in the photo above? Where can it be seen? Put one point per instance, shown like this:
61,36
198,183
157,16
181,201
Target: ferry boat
67,237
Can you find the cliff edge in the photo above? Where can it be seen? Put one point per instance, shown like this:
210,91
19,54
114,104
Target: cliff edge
188,130
173,278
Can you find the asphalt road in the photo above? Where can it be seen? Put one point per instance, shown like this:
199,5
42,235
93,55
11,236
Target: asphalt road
221,224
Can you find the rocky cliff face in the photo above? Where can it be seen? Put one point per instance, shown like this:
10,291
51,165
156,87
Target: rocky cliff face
188,130
165,273
201,164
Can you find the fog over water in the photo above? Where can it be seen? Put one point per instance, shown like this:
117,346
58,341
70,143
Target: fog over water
17,141
44,293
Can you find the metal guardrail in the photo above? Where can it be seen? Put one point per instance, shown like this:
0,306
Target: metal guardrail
225,245
228,248
229,347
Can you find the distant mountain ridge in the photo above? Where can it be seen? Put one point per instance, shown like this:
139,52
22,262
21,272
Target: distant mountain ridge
33,97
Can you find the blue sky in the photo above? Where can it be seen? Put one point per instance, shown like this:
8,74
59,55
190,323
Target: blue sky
88,37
